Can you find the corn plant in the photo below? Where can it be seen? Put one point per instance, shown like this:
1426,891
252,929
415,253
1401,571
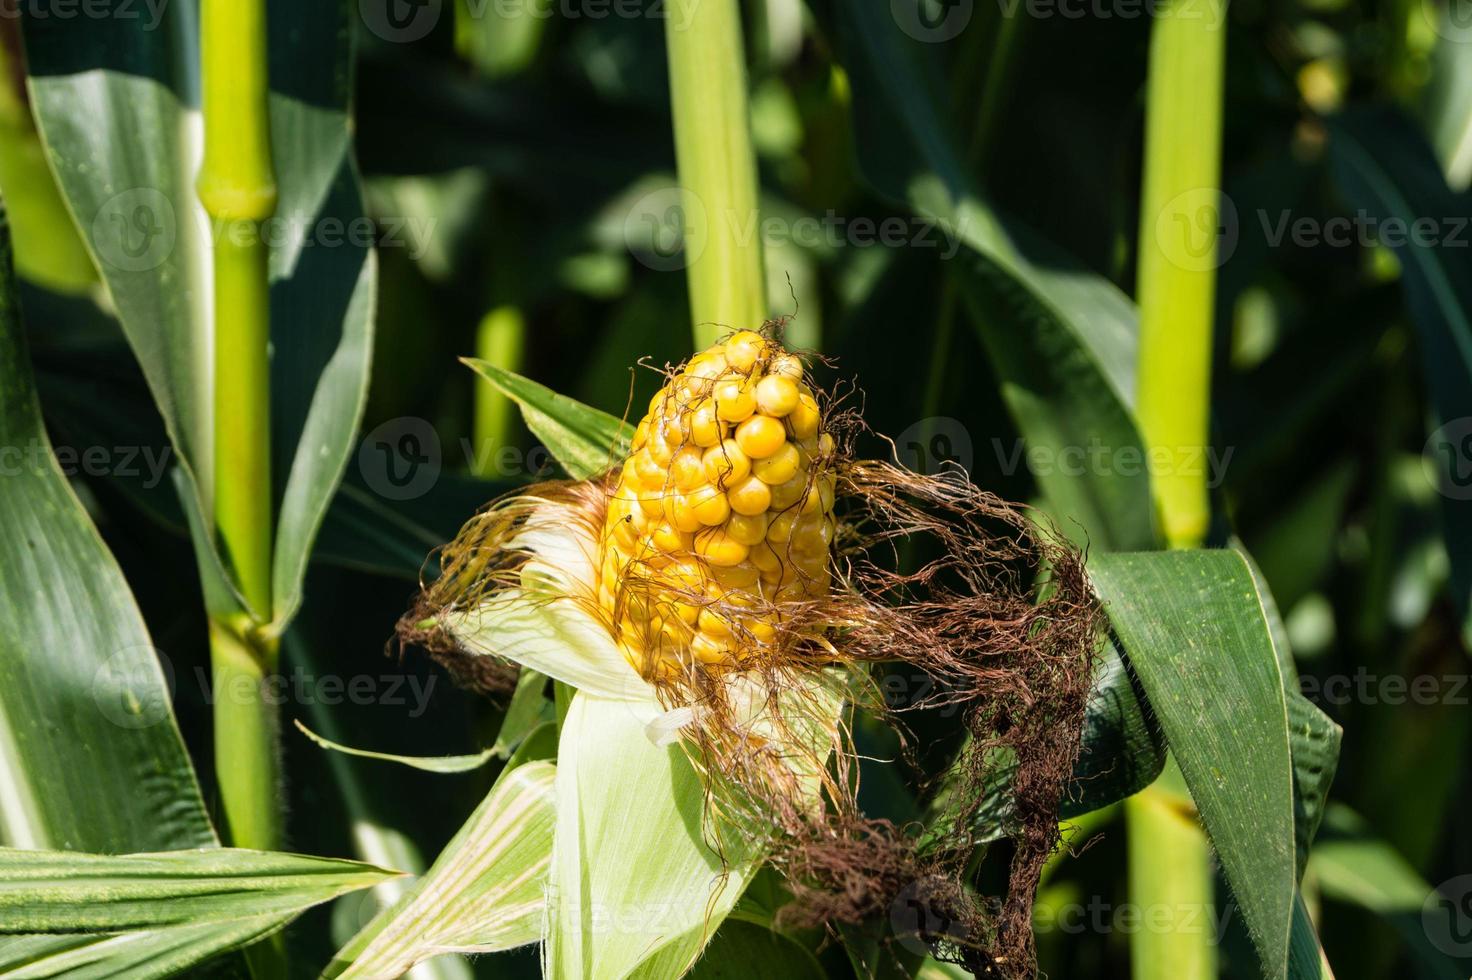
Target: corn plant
713,489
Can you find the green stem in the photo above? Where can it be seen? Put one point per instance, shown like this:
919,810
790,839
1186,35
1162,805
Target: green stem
1170,886
717,167
500,340
246,735
1180,221
238,190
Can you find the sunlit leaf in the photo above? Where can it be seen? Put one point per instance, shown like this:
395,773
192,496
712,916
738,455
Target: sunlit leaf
1193,629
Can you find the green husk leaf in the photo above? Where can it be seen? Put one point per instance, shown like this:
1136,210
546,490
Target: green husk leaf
483,893
584,440
631,850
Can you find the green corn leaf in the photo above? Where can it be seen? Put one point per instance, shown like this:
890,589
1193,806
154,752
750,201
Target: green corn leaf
634,890
67,891
142,955
155,915
1313,737
1193,629
1060,338
75,657
483,893
584,440
101,89
1352,865
1383,166
121,780
363,530
437,763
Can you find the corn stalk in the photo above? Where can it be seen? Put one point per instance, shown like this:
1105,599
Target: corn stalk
238,190
1180,227
717,168
499,339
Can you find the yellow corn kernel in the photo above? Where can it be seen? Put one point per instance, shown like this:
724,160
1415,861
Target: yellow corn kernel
712,623
819,497
779,532
804,417
678,512
728,580
667,539
710,505
734,399
743,349
767,561
787,366
789,492
705,428
726,464
648,471
687,468
707,650
750,496
707,365
661,447
719,548
811,535
779,467
760,436
749,529
776,395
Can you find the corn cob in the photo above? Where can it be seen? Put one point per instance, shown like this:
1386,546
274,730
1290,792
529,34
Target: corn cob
721,515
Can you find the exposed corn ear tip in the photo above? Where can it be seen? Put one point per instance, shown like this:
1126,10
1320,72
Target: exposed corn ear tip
722,511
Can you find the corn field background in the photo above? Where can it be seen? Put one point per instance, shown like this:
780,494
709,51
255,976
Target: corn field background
290,291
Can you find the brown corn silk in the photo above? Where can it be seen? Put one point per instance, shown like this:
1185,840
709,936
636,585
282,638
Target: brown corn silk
858,564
